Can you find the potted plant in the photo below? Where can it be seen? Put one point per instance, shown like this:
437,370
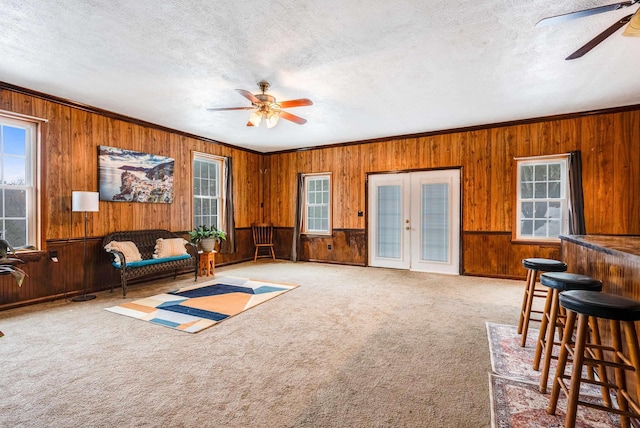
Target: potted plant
8,264
207,237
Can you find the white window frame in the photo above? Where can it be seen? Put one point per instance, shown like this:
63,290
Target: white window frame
559,218
32,177
220,190
305,221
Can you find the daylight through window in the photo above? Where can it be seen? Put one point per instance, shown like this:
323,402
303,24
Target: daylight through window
18,215
207,190
542,198
317,218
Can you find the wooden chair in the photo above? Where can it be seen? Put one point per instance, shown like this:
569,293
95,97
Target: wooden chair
263,238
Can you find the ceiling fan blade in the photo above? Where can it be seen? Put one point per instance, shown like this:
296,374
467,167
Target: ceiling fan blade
296,103
586,12
230,108
248,95
599,38
293,118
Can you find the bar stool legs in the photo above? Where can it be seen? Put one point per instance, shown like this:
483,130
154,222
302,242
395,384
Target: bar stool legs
553,317
533,266
527,299
546,339
585,308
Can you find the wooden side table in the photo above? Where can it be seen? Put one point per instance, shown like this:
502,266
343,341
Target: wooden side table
207,263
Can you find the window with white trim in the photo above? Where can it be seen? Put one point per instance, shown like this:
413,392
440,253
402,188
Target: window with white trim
317,204
207,190
542,198
18,191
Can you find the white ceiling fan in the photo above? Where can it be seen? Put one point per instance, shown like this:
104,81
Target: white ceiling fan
265,107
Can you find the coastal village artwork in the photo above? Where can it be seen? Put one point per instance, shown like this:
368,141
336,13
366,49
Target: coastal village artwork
130,176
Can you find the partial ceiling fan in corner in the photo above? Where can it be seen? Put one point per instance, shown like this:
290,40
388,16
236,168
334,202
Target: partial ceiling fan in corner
264,107
633,21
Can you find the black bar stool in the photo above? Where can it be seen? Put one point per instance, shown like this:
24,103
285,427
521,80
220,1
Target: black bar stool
552,319
586,307
533,266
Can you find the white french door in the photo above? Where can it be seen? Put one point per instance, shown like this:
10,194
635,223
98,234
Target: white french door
414,221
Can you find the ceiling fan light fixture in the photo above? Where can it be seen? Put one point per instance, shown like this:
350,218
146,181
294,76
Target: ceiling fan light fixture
264,107
255,118
271,118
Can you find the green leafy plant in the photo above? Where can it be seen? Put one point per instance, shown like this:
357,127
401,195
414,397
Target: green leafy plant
206,232
8,264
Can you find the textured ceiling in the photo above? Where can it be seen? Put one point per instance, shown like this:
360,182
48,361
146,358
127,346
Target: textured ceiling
374,68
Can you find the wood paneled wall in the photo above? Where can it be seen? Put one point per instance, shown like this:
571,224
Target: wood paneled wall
69,159
609,144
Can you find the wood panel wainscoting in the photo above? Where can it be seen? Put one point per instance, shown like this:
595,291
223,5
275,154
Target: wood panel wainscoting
344,246
492,254
48,280
347,246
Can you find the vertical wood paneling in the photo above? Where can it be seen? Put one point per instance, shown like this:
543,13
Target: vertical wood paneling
609,144
55,152
631,133
69,161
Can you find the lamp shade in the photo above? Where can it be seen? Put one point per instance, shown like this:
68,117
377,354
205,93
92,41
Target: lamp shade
272,118
84,201
255,117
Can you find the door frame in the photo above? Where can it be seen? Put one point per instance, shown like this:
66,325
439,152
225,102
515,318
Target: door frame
366,204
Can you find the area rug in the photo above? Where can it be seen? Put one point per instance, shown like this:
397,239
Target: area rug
195,308
517,404
515,399
508,358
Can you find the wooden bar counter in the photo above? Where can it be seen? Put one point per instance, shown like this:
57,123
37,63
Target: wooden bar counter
615,260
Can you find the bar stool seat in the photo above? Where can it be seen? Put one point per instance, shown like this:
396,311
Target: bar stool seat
584,307
552,317
602,305
533,266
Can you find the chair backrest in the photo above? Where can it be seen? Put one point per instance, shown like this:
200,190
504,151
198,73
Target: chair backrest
262,233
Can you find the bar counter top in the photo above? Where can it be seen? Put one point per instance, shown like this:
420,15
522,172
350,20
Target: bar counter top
627,247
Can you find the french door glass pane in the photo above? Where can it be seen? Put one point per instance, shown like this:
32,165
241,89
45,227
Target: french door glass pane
389,222
435,222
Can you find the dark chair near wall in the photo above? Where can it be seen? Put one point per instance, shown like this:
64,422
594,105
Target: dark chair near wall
263,238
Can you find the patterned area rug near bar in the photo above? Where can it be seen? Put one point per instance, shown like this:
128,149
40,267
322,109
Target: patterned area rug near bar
516,401
195,308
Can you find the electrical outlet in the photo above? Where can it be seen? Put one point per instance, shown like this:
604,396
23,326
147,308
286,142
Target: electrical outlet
329,247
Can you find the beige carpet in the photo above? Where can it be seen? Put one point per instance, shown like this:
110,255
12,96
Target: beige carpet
351,347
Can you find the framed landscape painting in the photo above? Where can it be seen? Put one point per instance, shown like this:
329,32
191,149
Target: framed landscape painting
129,176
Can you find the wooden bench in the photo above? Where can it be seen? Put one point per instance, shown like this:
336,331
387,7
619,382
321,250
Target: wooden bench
145,241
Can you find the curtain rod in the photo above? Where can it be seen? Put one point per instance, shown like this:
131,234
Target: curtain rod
542,157
13,115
